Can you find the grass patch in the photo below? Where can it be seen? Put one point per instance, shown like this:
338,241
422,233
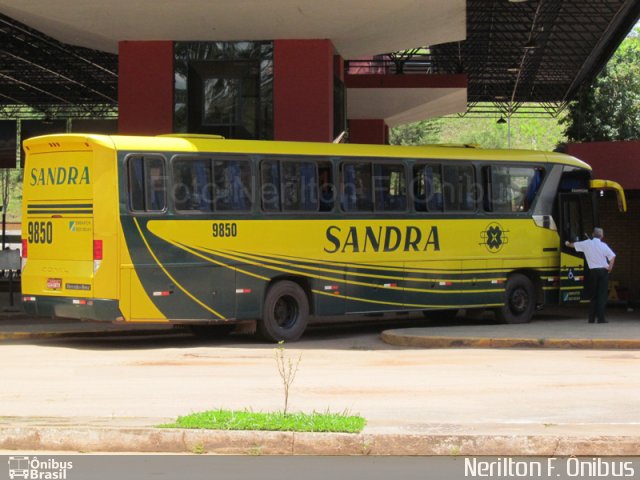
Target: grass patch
290,422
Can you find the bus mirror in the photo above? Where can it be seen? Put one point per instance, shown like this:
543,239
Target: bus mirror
610,185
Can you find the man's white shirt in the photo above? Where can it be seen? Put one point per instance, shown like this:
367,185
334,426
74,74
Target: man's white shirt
597,253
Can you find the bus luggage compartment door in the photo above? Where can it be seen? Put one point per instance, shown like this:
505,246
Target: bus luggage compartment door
577,219
375,290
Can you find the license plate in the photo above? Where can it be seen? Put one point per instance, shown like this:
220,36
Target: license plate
54,283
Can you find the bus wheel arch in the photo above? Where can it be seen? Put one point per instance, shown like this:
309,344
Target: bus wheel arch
521,296
285,310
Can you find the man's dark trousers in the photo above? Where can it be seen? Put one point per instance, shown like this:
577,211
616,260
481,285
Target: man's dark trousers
599,294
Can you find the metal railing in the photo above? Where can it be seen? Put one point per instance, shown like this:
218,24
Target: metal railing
416,64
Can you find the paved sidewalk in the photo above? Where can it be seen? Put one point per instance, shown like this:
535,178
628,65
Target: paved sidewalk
553,328
87,435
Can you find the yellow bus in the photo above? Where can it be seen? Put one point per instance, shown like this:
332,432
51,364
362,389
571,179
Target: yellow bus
211,232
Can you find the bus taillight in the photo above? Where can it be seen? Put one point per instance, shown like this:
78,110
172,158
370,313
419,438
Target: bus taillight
23,254
97,255
97,249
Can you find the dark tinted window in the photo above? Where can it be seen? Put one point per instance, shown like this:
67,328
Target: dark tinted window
270,185
300,186
458,188
390,187
427,187
289,186
192,187
147,184
513,189
232,185
357,191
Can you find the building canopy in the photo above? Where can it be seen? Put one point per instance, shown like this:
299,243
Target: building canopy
515,52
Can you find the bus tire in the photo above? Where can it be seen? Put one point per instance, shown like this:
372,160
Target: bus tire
285,312
519,300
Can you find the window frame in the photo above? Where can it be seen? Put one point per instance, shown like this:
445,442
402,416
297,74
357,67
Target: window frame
145,169
373,162
189,157
213,157
487,184
421,164
287,159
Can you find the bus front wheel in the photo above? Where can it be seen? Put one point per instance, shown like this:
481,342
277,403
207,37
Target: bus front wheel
286,312
519,300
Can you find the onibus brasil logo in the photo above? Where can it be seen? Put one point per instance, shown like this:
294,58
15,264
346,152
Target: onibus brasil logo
36,469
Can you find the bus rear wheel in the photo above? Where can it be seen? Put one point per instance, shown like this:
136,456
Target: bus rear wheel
519,300
285,313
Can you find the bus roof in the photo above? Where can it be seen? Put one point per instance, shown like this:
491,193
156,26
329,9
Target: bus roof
204,143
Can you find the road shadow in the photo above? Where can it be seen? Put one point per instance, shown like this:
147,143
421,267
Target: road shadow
331,333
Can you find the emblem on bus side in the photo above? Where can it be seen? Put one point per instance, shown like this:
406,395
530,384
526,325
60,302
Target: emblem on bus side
494,237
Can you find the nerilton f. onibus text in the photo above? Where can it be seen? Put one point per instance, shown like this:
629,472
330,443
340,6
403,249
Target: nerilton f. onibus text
550,468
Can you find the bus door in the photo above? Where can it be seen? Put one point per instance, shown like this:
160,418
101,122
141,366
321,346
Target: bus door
577,219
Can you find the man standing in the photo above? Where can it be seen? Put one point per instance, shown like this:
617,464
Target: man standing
600,259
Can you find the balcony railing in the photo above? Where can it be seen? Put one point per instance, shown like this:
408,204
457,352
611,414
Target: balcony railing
422,63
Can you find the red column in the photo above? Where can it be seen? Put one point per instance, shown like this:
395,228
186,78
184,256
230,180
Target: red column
145,88
373,131
303,90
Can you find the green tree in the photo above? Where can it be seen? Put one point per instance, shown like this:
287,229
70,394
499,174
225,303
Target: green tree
419,133
527,133
609,109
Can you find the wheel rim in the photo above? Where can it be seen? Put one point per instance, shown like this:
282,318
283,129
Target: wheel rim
519,301
285,311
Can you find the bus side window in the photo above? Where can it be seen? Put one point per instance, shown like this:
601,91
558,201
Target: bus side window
433,187
390,187
147,184
192,184
514,189
356,187
136,183
459,188
155,184
232,185
270,185
289,186
327,195
487,189
300,186
427,188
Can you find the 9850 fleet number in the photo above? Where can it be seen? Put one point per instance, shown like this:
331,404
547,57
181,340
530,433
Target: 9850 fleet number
40,232
224,229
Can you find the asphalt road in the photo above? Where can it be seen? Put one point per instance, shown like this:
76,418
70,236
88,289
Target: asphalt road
141,381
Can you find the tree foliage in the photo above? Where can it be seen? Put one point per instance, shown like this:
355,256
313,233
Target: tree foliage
609,109
419,133
527,133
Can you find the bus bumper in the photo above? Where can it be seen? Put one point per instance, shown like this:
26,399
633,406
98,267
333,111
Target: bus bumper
81,308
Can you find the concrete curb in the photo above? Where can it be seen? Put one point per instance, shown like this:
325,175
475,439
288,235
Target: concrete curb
146,440
398,338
